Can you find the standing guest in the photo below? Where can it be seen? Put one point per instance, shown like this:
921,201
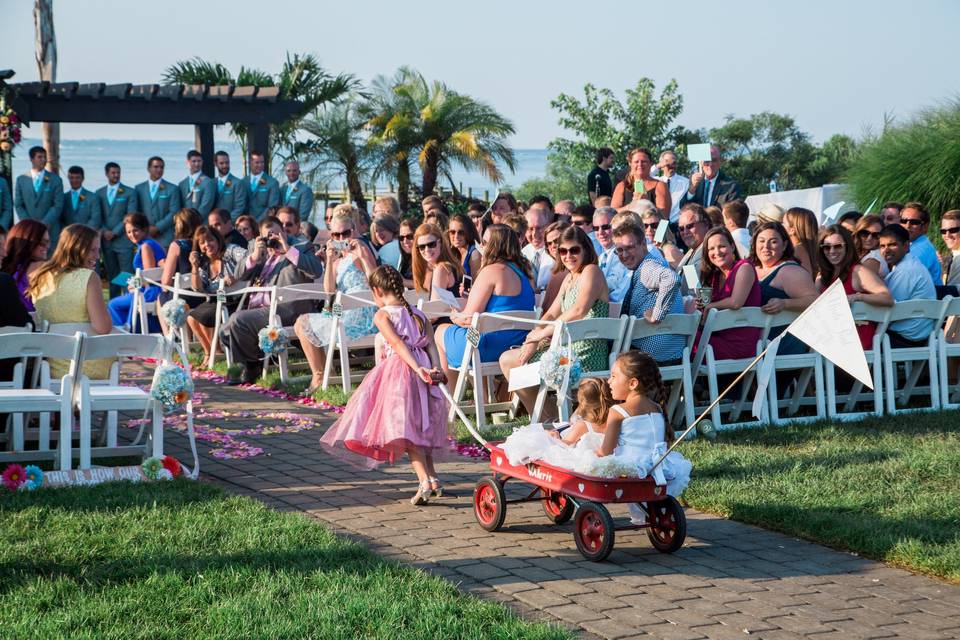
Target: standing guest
668,247
653,292
950,232
734,284
67,289
709,186
116,201
6,204
349,264
434,266
735,215
602,201
558,273
220,220
159,200
79,203
502,285
693,225
890,212
279,265
387,206
598,180
289,217
616,274
264,189
25,251
39,193
210,266
849,220
915,218
383,233
640,162
247,227
407,230
463,243
149,254
536,250
801,226
584,294
197,191
866,238
564,209
677,184
295,193
838,261
908,280
231,190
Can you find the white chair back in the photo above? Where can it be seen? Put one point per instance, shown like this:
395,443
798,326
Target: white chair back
684,324
114,346
918,310
743,318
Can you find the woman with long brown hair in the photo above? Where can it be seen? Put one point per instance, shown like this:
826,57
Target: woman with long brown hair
434,266
801,225
463,242
866,238
210,265
27,246
638,183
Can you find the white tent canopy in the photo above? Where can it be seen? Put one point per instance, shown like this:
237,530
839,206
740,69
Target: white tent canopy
816,199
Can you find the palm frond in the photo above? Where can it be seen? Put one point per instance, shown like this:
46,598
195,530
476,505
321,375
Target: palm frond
197,71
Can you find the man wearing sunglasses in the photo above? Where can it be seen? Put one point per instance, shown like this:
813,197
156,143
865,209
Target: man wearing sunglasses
536,248
617,275
693,225
915,218
950,232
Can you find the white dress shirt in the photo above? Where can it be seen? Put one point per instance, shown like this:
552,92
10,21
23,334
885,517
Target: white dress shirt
678,186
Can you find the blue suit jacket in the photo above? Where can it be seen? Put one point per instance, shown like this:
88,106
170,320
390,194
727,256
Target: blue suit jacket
266,195
87,211
6,205
111,216
160,209
44,205
301,198
232,196
203,195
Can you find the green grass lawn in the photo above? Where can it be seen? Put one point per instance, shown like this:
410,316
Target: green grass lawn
887,488
185,560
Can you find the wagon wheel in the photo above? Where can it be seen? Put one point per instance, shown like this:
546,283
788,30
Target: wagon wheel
593,531
557,506
489,503
668,525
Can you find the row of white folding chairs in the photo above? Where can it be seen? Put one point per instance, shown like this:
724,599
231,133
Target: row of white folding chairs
142,310
76,391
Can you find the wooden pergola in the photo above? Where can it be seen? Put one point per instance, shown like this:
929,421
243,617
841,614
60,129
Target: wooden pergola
203,106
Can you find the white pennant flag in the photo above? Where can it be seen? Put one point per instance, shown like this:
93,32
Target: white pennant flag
827,327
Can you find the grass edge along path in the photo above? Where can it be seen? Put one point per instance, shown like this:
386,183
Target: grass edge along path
885,488
185,559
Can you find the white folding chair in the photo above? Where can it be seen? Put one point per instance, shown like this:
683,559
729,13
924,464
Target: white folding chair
743,318
615,308
222,314
339,342
809,364
862,312
17,400
435,309
914,357
96,398
945,350
140,309
308,291
480,374
679,375
612,329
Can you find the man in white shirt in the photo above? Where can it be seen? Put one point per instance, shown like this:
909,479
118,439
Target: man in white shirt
617,275
676,183
536,249
916,220
735,216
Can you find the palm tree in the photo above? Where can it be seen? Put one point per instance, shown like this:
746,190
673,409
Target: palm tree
338,146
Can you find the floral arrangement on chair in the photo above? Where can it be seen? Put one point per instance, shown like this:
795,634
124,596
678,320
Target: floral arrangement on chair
272,339
172,387
555,365
174,312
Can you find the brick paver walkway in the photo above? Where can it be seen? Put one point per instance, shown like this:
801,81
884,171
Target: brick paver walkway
729,581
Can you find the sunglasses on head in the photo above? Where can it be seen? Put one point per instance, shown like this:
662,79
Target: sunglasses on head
863,233
428,245
949,230
913,222
603,227
340,235
573,251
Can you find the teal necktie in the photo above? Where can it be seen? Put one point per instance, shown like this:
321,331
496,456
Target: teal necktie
76,199
153,190
37,181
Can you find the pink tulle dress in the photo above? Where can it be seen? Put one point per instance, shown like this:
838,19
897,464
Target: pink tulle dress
392,409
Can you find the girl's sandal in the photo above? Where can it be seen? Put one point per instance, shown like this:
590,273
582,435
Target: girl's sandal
436,489
422,496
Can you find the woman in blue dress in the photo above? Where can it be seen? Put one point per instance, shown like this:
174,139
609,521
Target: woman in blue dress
149,254
502,285
463,241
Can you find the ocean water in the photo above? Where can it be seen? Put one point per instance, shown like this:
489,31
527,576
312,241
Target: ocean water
132,156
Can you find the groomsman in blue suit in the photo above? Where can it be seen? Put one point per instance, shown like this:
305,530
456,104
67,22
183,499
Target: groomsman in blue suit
159,200
264,188
39,193
114,202
296,194
231,190
197,191
79,203
6,205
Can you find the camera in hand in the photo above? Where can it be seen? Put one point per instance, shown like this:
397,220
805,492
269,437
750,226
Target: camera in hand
274,243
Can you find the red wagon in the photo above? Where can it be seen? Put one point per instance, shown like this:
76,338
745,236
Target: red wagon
565,494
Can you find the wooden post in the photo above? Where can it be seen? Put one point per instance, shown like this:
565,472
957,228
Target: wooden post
460,191
470,192
203,142
486,196
45,46
258,139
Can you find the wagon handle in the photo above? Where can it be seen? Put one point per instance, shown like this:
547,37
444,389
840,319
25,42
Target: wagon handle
456,407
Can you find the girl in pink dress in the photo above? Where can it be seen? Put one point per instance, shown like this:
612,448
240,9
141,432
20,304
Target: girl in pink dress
397,408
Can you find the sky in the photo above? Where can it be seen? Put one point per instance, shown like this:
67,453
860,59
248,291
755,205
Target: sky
836,67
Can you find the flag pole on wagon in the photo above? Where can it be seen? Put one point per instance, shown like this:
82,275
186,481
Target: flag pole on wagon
826,326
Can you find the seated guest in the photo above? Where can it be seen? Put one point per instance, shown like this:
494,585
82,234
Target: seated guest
564,209
289,217
26,249
383,233
671,252
866,237
407,230
715,214
838,261
502,285
801,225
558,272
463,244
220,220
12,314
544,204
950,232
582,217
149,253
584,294
616,274
916,220
210,265
519,225
476,211
537,219
434,266
784,284
640,162
849,220
890,212
735,215
908,280
503,206
349,263
276,264
185,224
387,206
247,227
653,292
309,231
67,288
693,225
734,283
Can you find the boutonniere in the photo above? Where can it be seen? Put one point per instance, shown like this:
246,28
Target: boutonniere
227,183
120,190
82,197
162,186
262,182
46,178
198,180
295,189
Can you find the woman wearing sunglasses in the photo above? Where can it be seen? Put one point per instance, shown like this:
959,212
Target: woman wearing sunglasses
407,228
866,238
463,243
583,294
434,267
838,261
